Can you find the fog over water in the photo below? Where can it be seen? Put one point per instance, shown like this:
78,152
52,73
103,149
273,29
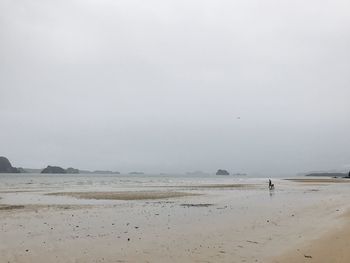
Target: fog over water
175,86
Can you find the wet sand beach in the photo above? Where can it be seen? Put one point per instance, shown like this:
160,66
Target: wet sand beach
75,220
331,247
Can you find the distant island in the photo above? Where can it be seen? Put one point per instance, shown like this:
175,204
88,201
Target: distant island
6,167
104,172
222,172
59,170
328,174
71,170
53,170
136,173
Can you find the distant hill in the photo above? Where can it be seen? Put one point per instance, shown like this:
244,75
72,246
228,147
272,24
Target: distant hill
6,167
53,170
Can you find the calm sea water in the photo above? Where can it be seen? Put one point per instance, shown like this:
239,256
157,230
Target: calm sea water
93,181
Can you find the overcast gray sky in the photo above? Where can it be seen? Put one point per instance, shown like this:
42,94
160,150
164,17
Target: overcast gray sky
159,85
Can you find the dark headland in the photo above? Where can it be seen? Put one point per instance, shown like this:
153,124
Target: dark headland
6,167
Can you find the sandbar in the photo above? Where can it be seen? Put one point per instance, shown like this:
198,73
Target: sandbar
123,195
319,180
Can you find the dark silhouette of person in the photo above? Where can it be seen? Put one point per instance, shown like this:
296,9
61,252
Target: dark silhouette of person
270,183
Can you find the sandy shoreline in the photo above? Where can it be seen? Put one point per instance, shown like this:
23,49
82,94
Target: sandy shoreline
242,222
331,247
